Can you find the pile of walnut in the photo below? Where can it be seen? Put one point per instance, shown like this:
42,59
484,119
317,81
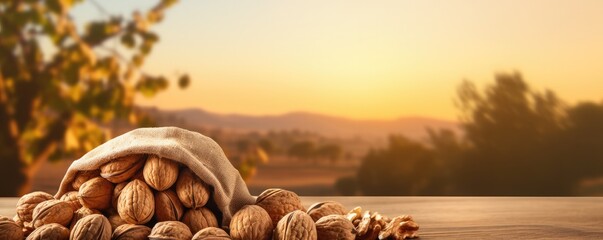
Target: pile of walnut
147,197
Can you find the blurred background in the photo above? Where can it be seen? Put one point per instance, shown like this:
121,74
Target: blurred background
431,97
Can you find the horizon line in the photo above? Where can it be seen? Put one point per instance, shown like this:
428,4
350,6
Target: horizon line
292,112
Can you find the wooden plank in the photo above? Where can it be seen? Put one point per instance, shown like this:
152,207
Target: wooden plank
476,217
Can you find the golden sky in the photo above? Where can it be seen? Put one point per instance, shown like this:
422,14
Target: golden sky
370,59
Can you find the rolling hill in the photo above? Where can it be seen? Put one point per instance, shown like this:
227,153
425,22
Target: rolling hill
412,127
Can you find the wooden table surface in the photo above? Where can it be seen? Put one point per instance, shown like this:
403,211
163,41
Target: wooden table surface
476,217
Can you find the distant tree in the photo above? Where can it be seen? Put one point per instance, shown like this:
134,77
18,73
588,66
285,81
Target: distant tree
302,150
403,168
347,186
516,141
509,128
58,84
267,145
448,149
330,151
578,150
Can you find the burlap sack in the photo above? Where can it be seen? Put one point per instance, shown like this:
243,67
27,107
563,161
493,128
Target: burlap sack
199,153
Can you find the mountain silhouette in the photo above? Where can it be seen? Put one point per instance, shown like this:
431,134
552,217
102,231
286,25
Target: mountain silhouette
412,127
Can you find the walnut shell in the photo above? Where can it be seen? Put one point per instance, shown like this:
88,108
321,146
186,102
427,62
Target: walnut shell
192,192
278,202
211,233
28,202
251,222
52,211
82,177
168,206
335,227
200,218
136,203
27,229
71,198
116,221
16,219
81,213
131,232
52,231
123,168
92,227
116,192
160,173
296,225
170,230
96,193
321,209
10,230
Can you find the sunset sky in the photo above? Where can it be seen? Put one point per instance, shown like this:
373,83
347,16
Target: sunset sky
367,59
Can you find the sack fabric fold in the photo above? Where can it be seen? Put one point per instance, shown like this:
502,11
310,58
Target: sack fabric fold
199,153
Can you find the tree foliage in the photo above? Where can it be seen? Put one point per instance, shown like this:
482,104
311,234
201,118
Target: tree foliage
59,84
400,169
516,141
509,129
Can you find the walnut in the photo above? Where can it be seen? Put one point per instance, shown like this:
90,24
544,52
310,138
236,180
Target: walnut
335,227
49,231
96,193
170,230
211,233
123,168
167,206
17,220
160,173
192,192
25,226
200,218
27,229
251,222
136,204
321,209
82,177
10,230
115,220
52,211
81,213
116,193
370,225
131,232
278,202
296,225
28,202
71,198
92,227
400,227
354,214
365,223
